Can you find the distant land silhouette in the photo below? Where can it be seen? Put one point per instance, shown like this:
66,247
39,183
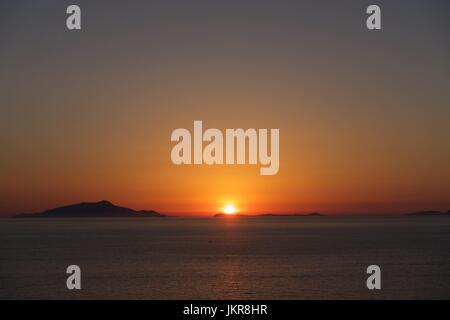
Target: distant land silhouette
314,214
429,213
101,209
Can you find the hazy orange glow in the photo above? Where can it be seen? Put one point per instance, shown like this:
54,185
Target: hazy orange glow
229,209
350,142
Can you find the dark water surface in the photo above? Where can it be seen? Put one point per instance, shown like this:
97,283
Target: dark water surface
244,258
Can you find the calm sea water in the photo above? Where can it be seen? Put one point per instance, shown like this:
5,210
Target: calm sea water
245,258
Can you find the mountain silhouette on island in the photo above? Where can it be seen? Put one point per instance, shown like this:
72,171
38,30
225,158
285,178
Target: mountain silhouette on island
314,214
101,209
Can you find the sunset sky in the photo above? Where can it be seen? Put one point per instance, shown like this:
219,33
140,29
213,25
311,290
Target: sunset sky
364,116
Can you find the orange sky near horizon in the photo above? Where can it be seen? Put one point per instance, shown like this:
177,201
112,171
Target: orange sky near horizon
363,117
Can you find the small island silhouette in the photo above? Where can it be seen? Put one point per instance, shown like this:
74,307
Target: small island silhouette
106,209
101,209
429,213
314,214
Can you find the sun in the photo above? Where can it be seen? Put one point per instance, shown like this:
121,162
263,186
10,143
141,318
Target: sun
229,209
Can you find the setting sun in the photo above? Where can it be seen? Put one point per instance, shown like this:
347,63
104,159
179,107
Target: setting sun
229,209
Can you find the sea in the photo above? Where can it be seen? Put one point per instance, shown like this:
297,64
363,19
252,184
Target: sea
226,258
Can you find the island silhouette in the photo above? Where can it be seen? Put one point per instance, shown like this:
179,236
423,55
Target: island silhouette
429,213
101,209
106,209
314,214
